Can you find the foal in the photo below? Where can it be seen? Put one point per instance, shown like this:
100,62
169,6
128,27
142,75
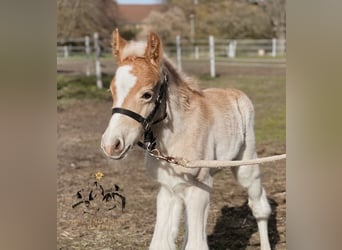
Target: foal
154,102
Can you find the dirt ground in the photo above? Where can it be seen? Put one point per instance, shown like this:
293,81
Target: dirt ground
230,223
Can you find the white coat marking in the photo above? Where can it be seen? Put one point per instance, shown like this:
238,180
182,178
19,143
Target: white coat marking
124,82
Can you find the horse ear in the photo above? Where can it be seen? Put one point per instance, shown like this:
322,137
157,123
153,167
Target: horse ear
118,43
154,49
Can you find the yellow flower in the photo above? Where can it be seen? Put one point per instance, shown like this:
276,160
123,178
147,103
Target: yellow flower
98,175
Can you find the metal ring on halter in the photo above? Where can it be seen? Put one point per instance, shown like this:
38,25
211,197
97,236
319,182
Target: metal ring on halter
156,154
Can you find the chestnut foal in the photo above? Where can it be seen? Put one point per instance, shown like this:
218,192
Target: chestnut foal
154,102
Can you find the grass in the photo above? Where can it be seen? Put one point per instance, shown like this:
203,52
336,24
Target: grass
266,93
79,87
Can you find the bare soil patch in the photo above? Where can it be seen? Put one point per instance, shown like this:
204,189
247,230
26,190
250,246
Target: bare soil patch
230,223
80,127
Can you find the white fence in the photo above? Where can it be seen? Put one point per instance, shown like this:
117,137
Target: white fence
209,49
231,48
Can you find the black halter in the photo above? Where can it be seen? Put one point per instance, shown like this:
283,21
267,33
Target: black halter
149,139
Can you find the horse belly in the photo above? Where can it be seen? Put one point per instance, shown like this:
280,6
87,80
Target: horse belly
228,140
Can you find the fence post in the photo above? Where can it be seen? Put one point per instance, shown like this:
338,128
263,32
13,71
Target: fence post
87,50
97,61
274,47
232,49
212,56
179,53
281,46
66,51
196,52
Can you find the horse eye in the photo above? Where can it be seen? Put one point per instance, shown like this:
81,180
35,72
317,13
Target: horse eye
147,96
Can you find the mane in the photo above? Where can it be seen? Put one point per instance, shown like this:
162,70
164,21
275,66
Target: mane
186,87
181,79
134,49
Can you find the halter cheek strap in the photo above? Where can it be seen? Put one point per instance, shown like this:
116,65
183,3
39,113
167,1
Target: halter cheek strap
149,139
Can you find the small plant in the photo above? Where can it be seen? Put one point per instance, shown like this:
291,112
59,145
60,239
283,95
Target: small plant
96,197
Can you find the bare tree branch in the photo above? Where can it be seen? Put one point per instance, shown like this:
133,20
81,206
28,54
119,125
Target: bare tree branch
77,18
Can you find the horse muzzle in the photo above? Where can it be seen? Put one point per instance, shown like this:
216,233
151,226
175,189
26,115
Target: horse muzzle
117,150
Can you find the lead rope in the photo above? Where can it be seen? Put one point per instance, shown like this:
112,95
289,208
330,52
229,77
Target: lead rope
212,164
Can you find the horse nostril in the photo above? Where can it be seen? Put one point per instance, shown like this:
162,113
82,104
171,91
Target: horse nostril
114,149
118,145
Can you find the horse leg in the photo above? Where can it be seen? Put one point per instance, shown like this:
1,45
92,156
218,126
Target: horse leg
169,208
196,206
249,178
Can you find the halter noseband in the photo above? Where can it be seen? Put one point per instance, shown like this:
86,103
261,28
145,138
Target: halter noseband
149,139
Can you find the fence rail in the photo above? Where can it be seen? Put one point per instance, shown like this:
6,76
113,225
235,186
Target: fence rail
231,48
210,49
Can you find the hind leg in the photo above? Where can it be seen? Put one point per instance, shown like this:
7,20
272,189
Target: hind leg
249,178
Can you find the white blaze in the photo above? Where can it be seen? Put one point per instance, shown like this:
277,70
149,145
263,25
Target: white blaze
124,82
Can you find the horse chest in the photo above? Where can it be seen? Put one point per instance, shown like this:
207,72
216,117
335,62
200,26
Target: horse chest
173,177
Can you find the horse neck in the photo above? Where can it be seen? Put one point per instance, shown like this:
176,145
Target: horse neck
182,90
180,98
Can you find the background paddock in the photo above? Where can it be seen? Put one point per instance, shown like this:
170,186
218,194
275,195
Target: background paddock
83,113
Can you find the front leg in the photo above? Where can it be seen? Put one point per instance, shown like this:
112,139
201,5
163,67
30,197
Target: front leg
169,208
197,206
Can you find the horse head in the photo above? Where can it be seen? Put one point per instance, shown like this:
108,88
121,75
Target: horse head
136,91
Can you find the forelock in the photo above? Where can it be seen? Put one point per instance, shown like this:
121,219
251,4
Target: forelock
134,48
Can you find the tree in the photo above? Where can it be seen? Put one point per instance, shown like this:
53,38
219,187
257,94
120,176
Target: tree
233,19
77,18
224,18
168,24
276,10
